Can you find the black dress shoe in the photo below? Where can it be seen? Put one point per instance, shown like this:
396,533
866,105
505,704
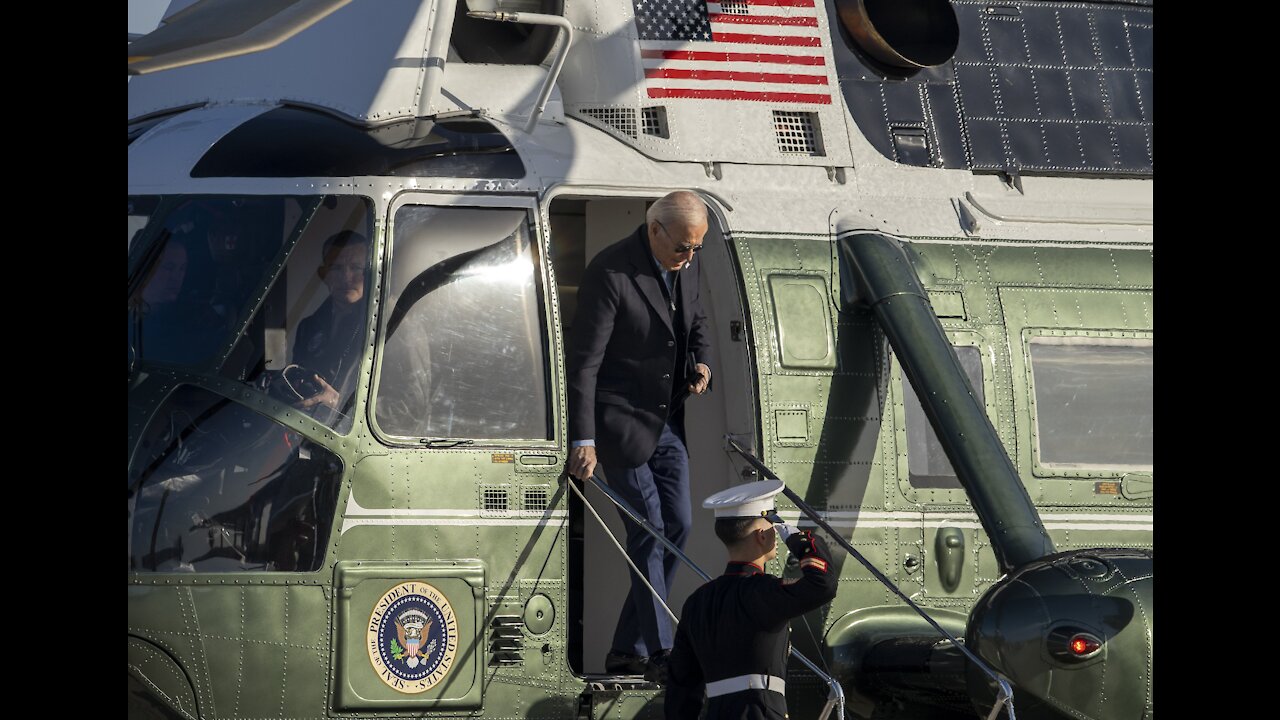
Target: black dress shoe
618,663
656,672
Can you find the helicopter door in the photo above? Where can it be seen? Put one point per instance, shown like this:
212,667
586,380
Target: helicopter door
457,496
581,226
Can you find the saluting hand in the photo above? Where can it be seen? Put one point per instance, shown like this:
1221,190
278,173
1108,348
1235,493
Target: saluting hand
582,461
701,379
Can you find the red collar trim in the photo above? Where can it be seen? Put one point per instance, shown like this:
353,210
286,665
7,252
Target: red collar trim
737,567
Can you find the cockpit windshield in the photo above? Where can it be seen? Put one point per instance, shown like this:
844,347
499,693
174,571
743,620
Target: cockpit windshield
269,291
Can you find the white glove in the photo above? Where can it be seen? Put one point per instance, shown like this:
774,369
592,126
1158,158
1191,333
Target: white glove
785,531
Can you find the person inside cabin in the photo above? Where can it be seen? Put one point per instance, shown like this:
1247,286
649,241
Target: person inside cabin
641,346
168,323
329,343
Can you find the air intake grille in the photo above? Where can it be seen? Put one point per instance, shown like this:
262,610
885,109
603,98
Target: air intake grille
494,499
536,499
797,132
621,119
653,121
504,640
733,7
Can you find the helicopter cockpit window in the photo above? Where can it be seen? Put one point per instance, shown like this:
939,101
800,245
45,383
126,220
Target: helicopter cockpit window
1094,404
215,487
214,293
140,211
465,353
927,464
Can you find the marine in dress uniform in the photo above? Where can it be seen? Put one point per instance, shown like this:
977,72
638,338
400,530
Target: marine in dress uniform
732,643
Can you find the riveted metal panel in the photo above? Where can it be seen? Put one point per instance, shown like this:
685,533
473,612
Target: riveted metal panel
803,319
792,426
948,304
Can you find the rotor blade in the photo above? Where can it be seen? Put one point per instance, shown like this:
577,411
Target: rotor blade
214,29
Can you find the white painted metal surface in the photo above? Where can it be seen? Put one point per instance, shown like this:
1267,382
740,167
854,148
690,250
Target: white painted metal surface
369,62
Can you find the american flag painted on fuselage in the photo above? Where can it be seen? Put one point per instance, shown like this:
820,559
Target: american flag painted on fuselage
756,50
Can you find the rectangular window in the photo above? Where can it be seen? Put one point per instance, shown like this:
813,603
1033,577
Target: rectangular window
465,350
927,464
1093,402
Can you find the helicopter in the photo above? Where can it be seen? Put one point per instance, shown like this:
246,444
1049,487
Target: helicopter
928,273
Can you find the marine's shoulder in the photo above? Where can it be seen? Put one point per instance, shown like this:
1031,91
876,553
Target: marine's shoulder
714,585
759,582
699,596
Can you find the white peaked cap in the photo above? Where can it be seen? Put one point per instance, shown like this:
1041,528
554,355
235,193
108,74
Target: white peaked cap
753,499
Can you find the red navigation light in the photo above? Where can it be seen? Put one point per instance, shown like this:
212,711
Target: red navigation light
1084,645
1073,645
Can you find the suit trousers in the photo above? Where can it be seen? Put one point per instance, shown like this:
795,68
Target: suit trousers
659,492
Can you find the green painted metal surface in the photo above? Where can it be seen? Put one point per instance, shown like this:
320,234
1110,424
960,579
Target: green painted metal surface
284,645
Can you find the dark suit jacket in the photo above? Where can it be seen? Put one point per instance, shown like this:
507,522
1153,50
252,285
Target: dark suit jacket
623,365
333,353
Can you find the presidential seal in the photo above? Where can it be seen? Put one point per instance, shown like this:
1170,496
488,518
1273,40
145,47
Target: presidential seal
413,637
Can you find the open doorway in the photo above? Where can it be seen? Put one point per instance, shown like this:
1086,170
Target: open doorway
582,226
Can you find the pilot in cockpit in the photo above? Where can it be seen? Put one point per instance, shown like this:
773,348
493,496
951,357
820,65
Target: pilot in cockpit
328,344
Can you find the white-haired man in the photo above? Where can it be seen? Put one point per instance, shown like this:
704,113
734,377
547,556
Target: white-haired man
641,345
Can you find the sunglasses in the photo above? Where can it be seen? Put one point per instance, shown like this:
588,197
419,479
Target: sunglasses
684,248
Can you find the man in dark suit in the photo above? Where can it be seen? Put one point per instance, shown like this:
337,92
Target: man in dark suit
330,342
641,345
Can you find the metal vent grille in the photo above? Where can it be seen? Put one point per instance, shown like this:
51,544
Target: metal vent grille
504,640
733,7
494,499
653,121
536,499
797,132
621,119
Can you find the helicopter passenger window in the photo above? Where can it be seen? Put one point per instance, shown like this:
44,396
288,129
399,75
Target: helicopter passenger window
927,464
1094,405
465,353
215,487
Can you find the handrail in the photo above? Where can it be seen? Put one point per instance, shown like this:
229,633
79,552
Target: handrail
1006,690
566,32
835,698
